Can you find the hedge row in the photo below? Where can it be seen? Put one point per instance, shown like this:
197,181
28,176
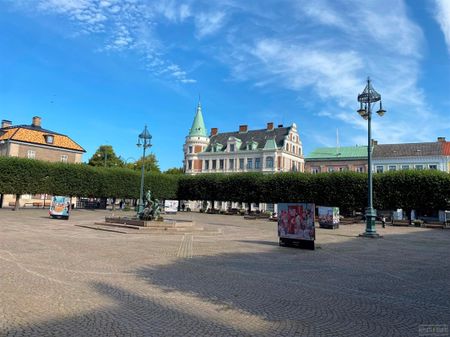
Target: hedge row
421,190
25,176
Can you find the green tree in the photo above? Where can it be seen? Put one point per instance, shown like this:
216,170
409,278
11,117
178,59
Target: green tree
174,170
151,164
106,157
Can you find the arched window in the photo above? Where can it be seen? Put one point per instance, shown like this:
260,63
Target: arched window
269,162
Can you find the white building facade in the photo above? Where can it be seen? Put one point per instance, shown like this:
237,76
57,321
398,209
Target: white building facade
269,150
411,156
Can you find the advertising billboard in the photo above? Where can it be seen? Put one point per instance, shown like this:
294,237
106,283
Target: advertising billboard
170,206
328,217
296,221
60,207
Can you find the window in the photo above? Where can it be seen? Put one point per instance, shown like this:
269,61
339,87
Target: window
214,164
432,167
330,169
241,163
31,154
249,163
392,168
360,169
190,149
315,170
64,158
379,169
49,139
419,167
221,164
231,147
206,164
231,164
269,162
190,165
257,163
405,167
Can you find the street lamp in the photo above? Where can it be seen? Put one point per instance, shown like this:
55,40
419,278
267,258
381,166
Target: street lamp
143,140
366,99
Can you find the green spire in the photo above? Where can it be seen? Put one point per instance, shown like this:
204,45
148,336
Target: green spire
198,126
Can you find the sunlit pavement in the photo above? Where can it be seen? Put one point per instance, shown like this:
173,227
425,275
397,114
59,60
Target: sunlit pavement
58,279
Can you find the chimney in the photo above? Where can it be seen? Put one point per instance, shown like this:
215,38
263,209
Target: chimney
280,125
441,139
270,126
6,123
374,142
36,122
243,128
214,131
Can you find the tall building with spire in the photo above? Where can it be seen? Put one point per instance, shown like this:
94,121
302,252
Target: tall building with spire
196,143
269,150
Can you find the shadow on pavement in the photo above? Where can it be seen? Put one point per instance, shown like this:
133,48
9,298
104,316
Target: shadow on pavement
360,287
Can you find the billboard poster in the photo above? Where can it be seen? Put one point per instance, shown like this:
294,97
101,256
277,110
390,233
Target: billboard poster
296,221
170,206
60,207
328,217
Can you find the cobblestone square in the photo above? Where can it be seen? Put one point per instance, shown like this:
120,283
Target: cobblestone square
59,279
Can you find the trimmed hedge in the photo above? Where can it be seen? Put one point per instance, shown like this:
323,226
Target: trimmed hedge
27,176
420,190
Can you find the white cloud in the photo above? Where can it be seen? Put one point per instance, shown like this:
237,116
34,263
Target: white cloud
443,18
208,23
125,25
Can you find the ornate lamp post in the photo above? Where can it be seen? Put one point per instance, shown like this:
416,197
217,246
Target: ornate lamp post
143,140
366,99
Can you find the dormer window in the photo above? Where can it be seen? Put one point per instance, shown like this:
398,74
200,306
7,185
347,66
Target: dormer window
231,147
252,145
49,139
217,147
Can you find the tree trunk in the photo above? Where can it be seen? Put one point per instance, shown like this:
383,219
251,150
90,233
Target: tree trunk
17,204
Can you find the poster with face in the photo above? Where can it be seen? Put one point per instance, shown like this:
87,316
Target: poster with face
296,221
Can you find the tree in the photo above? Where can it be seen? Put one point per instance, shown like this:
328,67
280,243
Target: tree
105,156
151,164
174,170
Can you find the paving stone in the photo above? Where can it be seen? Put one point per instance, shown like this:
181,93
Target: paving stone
60,279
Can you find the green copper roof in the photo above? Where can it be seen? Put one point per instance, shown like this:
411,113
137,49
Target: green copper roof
270,144
338,153
198,126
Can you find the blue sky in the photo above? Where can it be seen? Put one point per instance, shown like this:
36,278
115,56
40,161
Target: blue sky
99,70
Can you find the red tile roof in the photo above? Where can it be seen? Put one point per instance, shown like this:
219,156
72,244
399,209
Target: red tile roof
36,135
446,148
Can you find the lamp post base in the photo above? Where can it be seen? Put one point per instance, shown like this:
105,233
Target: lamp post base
370,225
370,235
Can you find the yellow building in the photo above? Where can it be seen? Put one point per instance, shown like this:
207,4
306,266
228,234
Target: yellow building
34,142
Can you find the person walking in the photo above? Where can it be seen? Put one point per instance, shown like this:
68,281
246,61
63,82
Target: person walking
383,222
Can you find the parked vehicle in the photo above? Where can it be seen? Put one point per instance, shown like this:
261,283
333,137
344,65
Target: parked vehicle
60,207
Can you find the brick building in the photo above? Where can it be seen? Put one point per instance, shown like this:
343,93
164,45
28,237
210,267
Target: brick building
34,142
269,150
337,159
